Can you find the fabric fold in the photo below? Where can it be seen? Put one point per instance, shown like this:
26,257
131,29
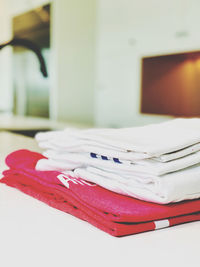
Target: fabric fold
135,181
157,162
150,141
113,213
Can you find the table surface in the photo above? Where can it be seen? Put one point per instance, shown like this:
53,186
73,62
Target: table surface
34,234
14,122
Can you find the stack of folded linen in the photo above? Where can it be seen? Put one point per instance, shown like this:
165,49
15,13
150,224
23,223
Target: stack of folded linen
158,163
123,181
113,213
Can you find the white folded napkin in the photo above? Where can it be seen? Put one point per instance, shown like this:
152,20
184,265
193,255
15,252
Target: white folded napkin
178,154
148,166
173,187
158,162
164,141
154,139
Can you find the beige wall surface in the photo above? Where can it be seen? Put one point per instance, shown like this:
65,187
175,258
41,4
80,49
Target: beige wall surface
97,47
5,60
73,65
128,30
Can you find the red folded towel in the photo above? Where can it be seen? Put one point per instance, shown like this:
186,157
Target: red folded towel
113,213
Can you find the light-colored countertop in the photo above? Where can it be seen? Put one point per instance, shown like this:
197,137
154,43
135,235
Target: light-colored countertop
33,234
12,122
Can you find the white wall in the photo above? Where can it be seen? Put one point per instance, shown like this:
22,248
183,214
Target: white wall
72,72
5,61
127,30
97,46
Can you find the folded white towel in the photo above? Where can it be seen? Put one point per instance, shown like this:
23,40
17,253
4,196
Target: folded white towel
178,154
88,147
158,162
154,139
173,187
165,141
148,166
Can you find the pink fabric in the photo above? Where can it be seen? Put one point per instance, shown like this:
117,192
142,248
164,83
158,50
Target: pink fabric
113,213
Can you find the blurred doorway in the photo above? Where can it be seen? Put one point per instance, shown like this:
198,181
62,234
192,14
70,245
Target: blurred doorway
31,89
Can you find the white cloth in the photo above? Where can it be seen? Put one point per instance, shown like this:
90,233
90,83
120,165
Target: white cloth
148,166
154,139
165,141
158,162
178,154
86,147
173,187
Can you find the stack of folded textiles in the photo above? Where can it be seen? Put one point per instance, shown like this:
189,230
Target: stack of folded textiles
123,181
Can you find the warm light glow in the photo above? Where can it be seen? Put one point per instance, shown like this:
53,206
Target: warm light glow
189,67
197,63
171,85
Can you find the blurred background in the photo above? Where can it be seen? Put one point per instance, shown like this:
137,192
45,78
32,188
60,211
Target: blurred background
109,63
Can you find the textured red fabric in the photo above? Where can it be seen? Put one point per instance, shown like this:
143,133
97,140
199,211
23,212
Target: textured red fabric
113,213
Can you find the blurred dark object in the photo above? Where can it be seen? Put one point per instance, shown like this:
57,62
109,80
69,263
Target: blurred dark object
31,91
31,46
29,132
